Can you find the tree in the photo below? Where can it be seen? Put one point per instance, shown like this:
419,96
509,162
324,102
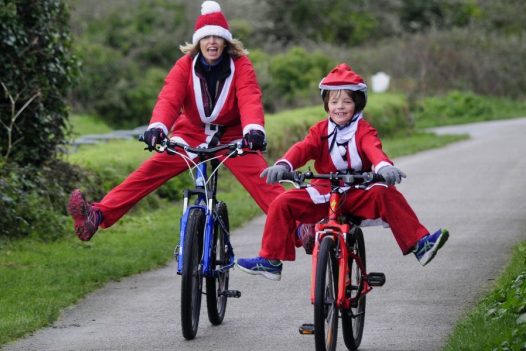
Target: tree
36,70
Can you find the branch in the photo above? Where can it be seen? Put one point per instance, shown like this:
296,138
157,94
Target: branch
14,117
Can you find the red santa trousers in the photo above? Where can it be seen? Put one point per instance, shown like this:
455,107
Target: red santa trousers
383,202
161,167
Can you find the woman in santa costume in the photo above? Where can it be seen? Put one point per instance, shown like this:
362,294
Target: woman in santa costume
210,96
343,141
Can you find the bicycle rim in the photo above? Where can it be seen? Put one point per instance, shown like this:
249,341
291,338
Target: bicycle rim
325,311
191,283
353,319
216,286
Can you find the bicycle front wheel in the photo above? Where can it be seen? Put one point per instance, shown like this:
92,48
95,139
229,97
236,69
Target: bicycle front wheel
353,318
325,311
192,282
217,285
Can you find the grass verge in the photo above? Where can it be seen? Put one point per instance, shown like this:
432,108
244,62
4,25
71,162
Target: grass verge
498,322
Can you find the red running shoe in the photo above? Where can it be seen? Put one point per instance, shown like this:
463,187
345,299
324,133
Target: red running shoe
307,234
87,218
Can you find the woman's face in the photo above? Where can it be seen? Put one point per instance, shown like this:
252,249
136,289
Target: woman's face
212,48
341,106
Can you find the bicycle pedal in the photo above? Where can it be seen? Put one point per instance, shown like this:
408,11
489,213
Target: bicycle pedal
307,329
376,279
231,293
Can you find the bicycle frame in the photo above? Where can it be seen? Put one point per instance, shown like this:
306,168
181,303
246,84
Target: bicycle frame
340,232
206,202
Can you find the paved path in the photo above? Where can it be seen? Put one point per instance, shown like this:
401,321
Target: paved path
476,188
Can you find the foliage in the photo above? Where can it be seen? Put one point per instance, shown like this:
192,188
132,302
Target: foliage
417,16
291,79
439,61
458,107
32,202
498,322
125,56
339,22
36,71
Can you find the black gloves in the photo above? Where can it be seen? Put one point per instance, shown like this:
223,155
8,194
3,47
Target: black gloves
153,137
255,140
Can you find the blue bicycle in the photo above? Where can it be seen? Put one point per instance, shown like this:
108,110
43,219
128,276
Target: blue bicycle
204,249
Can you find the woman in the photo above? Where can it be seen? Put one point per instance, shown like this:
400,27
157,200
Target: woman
210,96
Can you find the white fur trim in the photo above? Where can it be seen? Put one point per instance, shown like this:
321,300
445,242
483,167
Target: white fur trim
210,7
253,126
222,97
316,197
346,134
207,30
158,125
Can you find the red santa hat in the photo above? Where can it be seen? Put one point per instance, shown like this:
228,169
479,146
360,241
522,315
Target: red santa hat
342,77
211,22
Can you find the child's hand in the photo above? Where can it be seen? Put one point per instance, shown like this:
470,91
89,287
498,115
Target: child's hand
391,174
275,173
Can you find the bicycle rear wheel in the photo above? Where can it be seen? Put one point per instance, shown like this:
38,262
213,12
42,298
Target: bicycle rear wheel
216,286
192,282
353,318
325,311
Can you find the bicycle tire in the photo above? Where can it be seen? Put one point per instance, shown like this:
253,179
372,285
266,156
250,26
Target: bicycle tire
353,319
326,290
216,286
192,282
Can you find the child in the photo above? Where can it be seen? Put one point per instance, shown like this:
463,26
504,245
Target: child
342,141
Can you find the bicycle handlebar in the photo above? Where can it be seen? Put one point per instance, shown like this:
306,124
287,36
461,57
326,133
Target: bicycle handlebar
348,179
170,146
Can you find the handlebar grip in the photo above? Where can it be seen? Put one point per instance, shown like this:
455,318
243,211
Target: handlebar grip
371,177
290,175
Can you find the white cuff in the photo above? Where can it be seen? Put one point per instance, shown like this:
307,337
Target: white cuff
381,165
284,161
158,125
254,126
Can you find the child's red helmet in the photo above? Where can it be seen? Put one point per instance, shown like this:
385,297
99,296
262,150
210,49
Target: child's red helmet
342,77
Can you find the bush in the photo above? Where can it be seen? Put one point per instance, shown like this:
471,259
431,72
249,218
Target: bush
32,201
36,71
458,107
290,79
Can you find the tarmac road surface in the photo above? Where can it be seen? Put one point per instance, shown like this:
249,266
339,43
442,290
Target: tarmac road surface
475,188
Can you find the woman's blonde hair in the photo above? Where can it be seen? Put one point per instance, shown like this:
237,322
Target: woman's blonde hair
234,48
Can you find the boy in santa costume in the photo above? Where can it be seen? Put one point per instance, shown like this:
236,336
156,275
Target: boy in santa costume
210,96
343,141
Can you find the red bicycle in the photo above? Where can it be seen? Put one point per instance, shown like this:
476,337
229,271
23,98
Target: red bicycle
339,280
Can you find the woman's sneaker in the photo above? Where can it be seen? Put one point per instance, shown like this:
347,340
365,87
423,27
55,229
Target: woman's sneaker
261,266
427,247
86,217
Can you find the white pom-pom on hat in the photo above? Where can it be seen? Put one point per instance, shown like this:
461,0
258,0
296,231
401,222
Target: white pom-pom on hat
211,22
210,7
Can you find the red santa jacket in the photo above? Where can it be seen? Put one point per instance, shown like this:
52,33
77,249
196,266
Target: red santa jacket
363,152
180,105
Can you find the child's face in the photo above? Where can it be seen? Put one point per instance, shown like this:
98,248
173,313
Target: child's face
341,106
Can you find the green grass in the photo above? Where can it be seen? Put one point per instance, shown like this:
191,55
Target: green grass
498,322
459,107
85,124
